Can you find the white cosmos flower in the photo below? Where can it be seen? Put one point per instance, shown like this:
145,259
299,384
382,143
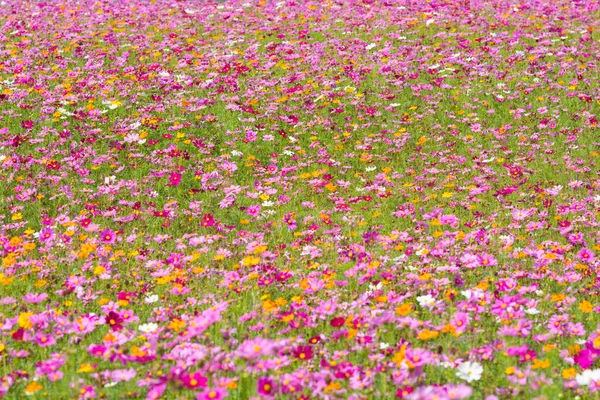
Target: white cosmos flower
588,376
152,298
148,328
135,125
469,371
427,300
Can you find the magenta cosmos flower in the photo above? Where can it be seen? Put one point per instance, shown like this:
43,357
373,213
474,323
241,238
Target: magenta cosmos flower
193,380
266,387
108,236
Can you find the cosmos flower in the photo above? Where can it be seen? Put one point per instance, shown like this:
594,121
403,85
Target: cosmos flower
587,377
114,320
303,353
108,236
148,328
207,220
469,371
266,387
193,380
216,393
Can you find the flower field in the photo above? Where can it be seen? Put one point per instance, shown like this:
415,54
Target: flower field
334,199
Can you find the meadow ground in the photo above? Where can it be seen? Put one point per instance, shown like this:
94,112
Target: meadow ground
299,199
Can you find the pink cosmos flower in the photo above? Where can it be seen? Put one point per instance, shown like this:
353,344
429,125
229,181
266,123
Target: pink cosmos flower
44,340
216,393
85,324
35,298
586,255
174,179
108,236
576,329
46,235
253,210
122,375
460,322
487,260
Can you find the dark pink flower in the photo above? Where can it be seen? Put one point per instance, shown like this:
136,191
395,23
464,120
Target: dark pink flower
108,236
193,381
174,179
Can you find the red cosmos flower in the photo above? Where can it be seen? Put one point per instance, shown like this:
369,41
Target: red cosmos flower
315,339
564,223
207,220
28,124
506,191
337,322
303,353
403,392
18,140
114,320
18,334
53,165
126,296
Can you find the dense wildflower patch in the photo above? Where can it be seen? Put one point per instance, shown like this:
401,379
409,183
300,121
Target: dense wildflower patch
299,199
